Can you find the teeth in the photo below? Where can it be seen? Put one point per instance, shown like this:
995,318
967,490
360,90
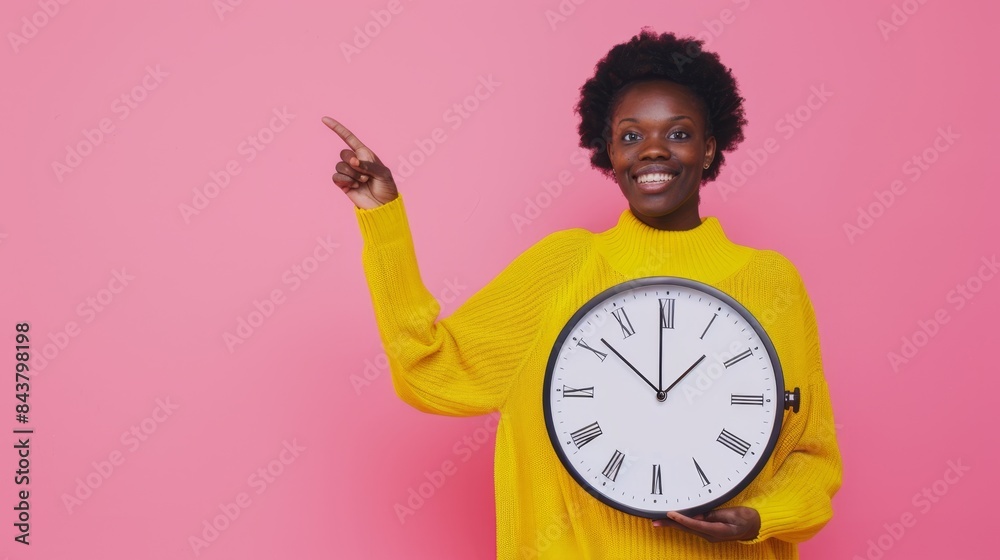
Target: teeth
655,177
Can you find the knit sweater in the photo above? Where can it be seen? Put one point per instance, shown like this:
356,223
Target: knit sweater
490,355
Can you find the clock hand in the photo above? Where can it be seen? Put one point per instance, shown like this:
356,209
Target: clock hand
685,373
631,366
660,384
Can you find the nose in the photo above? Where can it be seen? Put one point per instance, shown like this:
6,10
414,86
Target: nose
654,147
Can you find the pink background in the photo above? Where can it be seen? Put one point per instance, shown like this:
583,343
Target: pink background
358,449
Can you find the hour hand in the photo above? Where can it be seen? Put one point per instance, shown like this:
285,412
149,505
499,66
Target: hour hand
694,365
629,364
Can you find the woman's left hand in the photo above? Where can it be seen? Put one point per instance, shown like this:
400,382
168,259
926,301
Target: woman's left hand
726,524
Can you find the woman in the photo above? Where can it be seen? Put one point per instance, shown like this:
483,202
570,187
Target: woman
666,113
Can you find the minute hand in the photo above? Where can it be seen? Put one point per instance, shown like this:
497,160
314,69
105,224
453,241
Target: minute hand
631,366
694,365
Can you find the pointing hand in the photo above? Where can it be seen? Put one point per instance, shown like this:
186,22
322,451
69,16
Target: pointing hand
360,174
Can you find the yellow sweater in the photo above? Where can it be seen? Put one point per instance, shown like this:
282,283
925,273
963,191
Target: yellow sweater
490,355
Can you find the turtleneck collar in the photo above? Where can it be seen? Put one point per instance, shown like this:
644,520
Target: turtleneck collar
703,253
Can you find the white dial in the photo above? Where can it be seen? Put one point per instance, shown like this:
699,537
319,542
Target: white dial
663,394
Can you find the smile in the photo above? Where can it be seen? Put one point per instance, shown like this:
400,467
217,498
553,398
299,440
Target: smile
653,182
654,178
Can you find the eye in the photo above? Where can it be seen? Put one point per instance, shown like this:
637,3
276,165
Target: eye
625,136
682,135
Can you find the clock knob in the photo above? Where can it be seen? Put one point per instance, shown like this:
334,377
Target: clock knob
792,400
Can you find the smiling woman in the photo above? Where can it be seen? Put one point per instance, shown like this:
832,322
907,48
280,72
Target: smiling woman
658,150
666,112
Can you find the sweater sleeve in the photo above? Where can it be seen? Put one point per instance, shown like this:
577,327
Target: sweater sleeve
796,503
462,365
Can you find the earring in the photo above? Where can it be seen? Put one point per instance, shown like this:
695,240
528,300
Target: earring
707,165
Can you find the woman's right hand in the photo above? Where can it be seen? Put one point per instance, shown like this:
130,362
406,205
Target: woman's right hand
361,174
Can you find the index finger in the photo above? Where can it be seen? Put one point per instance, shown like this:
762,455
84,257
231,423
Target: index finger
342,131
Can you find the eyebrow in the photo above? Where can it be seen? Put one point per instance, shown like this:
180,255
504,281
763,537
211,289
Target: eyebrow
677,118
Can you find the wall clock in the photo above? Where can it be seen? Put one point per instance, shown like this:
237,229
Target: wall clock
664,394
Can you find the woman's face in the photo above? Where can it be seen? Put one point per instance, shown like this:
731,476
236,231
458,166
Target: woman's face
659,150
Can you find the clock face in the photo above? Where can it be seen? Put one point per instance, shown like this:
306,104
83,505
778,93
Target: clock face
663,394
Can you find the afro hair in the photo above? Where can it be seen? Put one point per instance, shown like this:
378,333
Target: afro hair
648,56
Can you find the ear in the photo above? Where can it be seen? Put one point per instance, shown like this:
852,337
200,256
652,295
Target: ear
710,149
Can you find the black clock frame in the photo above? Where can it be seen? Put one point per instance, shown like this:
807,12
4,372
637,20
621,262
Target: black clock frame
665,281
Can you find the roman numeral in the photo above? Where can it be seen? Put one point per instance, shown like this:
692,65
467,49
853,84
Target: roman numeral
585,392
599,354
737,358
586,434
625,324
701,473
667,313
747,399
611,469
714,315
657,482
734,443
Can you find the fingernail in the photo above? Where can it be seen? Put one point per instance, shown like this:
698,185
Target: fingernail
657,523
354,161
364,177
